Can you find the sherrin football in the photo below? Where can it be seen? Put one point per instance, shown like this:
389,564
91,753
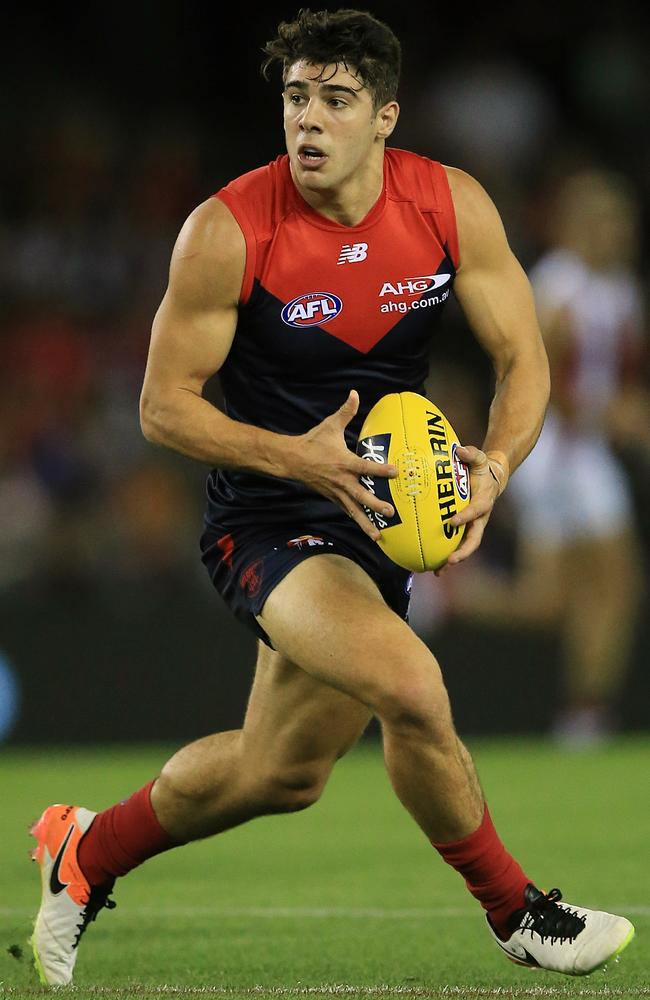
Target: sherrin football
409,431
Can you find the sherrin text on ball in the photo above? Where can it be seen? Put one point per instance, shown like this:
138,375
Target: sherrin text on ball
409,431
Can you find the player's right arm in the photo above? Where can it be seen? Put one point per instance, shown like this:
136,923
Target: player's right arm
191,337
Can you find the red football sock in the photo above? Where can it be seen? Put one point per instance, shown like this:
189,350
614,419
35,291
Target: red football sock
121,838
491,874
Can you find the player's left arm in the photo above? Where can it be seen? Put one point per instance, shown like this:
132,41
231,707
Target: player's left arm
497,300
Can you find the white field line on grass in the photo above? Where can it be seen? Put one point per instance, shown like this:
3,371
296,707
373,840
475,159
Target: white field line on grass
346,989
445,991
306,912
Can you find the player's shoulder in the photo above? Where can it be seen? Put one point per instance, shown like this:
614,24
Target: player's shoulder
468,194
260,197
413,177
210,232
209,255
406,159
481,234
258,180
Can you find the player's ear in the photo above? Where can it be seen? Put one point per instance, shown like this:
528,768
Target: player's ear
387,119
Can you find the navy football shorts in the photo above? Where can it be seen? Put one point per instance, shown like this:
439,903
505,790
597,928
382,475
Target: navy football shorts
246,562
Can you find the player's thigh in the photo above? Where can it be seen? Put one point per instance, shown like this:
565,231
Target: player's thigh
328,616
296,727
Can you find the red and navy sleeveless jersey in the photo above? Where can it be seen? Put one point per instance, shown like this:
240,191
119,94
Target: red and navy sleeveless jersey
326,308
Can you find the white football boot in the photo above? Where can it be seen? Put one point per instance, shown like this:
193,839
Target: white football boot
561,937
68,902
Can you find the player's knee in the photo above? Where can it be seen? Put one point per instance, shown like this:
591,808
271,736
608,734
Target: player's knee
174,787
415,702
286,790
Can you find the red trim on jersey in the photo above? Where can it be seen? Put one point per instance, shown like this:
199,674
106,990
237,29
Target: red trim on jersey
234,203
450,229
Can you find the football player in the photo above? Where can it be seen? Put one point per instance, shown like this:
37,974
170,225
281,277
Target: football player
301,283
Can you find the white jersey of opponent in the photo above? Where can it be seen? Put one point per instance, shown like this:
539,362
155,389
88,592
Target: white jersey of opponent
572,487
604,314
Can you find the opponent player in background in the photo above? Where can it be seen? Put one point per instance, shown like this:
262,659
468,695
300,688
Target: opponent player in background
578,567
297,283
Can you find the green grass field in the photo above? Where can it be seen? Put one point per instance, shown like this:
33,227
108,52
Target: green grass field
345,898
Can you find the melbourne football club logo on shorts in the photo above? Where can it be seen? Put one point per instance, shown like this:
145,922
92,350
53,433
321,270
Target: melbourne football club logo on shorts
311,309
251,578
461,475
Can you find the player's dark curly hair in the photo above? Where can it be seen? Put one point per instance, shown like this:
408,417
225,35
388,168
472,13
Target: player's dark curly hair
353,38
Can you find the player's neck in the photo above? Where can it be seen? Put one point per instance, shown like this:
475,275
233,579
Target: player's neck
349,202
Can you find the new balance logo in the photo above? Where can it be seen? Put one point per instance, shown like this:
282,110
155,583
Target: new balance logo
352,253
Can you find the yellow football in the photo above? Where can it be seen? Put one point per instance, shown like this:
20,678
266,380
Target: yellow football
408,431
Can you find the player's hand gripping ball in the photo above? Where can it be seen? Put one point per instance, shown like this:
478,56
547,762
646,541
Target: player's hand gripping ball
409,431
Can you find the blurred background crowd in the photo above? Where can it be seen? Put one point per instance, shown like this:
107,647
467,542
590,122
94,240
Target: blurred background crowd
117,123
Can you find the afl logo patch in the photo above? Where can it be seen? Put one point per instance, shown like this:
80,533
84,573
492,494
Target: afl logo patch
312,309
461,475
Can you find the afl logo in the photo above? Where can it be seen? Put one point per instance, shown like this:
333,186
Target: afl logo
461,474
312,309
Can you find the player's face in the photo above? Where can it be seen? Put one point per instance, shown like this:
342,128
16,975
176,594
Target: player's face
330,124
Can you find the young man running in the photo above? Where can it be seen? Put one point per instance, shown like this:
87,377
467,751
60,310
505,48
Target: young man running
314,285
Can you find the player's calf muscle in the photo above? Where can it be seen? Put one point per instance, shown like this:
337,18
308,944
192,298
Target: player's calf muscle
226,779
230,794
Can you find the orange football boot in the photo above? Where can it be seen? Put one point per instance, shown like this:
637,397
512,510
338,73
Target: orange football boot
68,902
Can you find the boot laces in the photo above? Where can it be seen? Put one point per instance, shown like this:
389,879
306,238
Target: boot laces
97,901
549,920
